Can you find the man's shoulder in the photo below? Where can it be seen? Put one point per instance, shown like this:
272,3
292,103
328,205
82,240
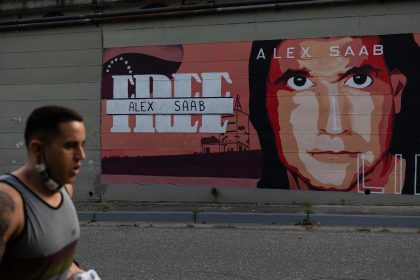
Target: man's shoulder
11,210
10,199
6,190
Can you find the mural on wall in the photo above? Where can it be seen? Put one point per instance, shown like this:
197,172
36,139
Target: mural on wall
336,114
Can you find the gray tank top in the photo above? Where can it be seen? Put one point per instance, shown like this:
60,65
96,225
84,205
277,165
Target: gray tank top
46,247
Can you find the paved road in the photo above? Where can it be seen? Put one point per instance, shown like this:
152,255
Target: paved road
183,251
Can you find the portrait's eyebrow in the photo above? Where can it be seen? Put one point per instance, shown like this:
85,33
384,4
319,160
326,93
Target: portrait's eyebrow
291,73
364,69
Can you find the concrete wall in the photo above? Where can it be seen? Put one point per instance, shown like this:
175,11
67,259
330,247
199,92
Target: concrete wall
50,66
62,65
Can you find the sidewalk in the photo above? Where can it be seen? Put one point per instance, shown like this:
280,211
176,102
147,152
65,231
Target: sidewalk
215,213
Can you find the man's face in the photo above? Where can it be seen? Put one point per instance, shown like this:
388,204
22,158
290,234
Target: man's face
65,153
326,109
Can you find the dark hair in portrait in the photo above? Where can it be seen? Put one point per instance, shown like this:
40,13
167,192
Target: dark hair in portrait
401,52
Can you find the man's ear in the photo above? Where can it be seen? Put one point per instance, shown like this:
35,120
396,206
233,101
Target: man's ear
398,81
35,147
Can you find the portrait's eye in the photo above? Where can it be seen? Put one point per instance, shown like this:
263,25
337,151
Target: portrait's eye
299,83
359,81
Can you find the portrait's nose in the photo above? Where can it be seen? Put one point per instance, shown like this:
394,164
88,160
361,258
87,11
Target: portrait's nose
335,116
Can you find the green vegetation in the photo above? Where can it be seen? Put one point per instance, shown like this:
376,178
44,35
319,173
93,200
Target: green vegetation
308,212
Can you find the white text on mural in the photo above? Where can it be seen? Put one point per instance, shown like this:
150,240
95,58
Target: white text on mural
305,52
164,105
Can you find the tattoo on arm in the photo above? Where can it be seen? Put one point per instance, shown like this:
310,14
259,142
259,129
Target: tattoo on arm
7,207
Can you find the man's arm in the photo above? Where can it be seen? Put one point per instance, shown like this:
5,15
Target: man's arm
7,209
73,270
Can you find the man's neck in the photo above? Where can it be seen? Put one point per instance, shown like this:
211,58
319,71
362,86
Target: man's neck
29,175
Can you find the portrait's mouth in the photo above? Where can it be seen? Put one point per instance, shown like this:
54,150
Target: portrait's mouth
334,156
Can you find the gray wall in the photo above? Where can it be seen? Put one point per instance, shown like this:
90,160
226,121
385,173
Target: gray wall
50,66
62,65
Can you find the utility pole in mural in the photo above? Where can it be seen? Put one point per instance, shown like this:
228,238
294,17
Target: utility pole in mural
235,139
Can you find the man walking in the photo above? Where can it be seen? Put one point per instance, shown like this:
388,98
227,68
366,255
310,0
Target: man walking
39,227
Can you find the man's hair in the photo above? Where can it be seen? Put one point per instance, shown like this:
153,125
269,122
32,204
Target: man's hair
400,52
44,122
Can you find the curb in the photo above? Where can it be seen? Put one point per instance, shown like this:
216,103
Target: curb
250,218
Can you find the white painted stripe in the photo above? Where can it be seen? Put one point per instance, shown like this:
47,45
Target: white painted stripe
170,106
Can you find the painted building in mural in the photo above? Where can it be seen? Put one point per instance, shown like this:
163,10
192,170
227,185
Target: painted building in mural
325,112
183,96
236,137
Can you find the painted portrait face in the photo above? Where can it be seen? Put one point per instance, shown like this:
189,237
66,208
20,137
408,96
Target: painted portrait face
329,101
